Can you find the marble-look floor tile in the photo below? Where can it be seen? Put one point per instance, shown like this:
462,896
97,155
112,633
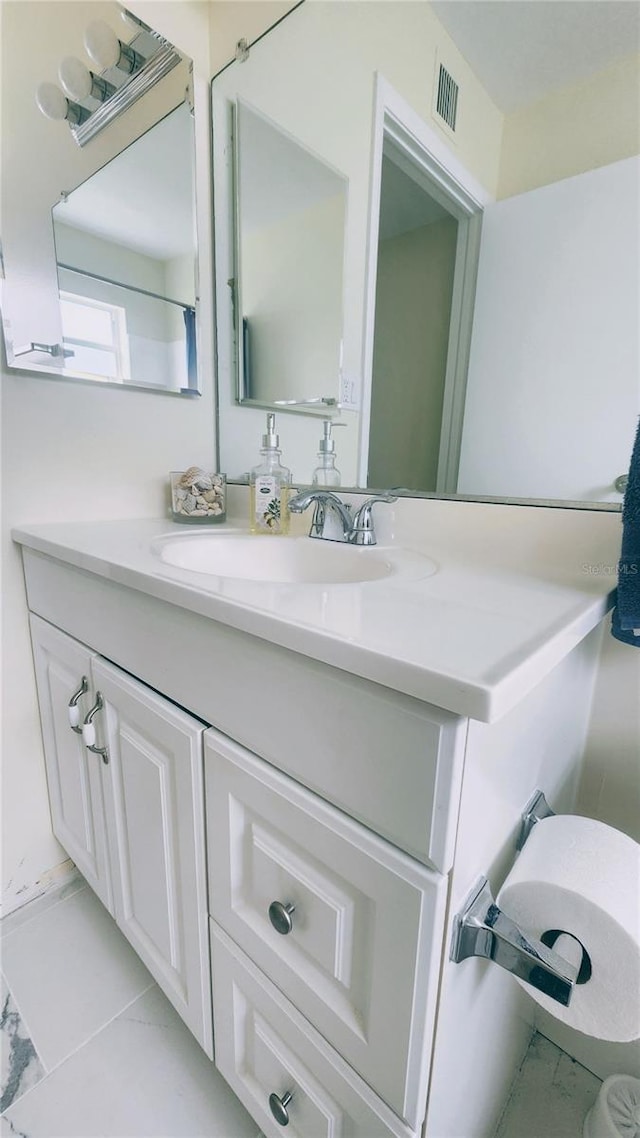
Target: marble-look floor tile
550,1097
70,971
20,1067
143,1075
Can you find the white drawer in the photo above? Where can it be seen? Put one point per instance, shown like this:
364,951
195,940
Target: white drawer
264,1047
361,961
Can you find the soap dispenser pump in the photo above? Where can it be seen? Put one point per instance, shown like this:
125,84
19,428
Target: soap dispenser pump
269,485
326,472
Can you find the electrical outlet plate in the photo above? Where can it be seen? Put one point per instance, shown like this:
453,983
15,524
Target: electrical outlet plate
349,393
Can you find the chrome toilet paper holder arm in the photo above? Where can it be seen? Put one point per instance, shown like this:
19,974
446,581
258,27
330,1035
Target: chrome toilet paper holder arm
482,929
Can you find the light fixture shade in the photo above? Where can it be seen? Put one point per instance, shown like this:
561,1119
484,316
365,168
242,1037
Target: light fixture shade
51,101
75,78
102,44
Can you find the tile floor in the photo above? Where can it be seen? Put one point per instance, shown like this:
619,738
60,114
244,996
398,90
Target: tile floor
92,1049
90,1046
550,1097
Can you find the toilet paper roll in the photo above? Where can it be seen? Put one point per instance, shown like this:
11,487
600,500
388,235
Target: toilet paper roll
581,877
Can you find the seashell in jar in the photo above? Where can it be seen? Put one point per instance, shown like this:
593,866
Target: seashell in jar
189,504
202,482
188,478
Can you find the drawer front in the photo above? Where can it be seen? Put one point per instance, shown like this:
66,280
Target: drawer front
265,1047
361,959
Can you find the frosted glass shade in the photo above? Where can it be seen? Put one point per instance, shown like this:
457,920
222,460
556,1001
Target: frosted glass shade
75,78
51,101
102,44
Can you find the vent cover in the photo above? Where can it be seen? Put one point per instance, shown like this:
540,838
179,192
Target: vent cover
447,98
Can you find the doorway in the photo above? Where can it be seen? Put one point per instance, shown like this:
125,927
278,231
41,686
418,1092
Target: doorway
424,249
414,289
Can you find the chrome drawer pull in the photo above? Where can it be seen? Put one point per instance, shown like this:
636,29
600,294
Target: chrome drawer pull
89,732
74,710
279,1108
280,917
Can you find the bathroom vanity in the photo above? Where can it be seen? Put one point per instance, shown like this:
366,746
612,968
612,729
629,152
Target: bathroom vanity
284,792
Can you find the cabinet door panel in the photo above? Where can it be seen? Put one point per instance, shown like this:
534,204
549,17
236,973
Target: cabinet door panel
155,810
361,959
264,1047
74,775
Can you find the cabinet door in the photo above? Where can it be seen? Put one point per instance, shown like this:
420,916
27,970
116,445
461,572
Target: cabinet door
74,775
155,817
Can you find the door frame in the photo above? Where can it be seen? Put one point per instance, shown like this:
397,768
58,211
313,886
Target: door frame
421,151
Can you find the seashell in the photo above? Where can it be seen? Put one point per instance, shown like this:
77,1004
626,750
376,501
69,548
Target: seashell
189,504
198,513
179,493
188,478
210,496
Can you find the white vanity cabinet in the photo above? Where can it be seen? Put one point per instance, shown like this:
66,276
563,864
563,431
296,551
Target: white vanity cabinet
286,844
132,818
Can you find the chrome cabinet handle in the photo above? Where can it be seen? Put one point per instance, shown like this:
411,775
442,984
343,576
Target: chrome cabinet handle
280,917
72,706
89,730
279,1108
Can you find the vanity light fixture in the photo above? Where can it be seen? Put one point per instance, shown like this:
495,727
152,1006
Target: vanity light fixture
79,83
90,101
105,49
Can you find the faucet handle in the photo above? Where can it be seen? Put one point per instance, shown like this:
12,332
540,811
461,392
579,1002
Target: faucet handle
363,532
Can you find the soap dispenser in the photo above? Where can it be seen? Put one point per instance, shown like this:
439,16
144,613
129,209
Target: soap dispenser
269,485
326,472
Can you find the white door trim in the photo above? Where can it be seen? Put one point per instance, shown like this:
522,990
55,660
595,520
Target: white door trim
417,144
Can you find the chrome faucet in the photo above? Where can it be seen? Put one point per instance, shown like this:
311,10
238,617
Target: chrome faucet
333,519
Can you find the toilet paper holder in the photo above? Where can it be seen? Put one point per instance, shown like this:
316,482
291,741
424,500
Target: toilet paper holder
482,929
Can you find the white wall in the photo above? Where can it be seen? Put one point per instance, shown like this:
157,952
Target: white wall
77,450
555,341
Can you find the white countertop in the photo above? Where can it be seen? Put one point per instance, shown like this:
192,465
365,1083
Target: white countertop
515,590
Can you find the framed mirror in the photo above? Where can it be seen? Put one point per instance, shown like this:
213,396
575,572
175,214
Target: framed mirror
478,320
99,248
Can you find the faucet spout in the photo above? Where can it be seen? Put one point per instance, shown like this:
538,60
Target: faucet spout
332,518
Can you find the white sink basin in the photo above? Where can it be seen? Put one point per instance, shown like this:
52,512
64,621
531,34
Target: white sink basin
285,560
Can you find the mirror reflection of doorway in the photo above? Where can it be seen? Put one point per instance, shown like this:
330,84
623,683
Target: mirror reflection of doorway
415,280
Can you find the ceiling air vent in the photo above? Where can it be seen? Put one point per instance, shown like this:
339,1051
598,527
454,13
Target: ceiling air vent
447,98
